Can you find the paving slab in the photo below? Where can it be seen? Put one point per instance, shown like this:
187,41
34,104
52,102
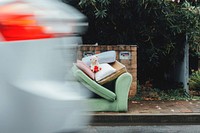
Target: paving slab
152,112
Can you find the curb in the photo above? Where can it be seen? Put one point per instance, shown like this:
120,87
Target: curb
146,119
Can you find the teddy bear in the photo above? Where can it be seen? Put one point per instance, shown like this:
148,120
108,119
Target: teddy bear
94,64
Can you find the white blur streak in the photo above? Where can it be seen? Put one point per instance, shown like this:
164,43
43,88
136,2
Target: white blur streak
2,2
37,91
57,10
58,17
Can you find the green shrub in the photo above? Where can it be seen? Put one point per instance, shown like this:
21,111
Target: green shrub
158,27
194,81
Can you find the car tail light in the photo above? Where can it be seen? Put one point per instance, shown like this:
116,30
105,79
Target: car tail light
24,21
17,24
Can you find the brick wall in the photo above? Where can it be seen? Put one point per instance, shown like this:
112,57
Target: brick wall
131,63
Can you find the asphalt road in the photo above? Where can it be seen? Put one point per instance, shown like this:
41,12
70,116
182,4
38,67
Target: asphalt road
143,129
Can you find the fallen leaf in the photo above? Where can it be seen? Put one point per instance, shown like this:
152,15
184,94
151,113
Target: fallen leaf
134,102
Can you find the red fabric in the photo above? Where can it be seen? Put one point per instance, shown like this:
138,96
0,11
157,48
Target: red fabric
96,69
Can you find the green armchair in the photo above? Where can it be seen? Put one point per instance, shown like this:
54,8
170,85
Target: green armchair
116,100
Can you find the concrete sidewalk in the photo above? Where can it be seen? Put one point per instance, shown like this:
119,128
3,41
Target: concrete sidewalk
152,112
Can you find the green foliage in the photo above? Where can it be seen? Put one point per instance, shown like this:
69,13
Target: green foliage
194,81
170,94
138,96
99,6
164,26
158,27
175,94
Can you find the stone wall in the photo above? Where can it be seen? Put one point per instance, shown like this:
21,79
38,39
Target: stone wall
128,58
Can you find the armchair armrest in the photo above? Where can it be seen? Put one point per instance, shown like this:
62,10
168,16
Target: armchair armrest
122,87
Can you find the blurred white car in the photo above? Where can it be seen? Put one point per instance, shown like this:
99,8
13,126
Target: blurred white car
37,49
31,19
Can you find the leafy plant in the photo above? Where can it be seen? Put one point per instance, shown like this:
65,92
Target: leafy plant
175,94
99,6
158,27
170,94
194,81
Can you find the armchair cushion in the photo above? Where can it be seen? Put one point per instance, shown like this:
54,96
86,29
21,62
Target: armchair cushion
104,57
92,85
105,71
120,69
82,66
